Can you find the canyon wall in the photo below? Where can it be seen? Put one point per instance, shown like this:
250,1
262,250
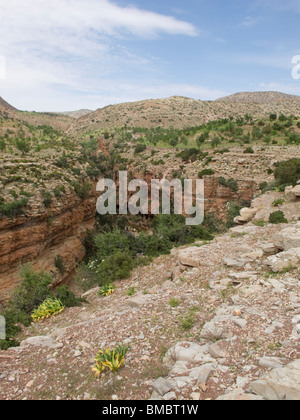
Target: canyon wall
41,235
218,196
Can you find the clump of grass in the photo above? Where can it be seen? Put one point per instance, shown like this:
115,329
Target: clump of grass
130,291
186,323
174,302
278,202
260,222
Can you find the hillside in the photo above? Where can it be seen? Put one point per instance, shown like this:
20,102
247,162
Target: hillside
210,311
44,177
259,98
216,320
5,105
177,112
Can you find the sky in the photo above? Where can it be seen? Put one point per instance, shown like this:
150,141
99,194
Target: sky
64,55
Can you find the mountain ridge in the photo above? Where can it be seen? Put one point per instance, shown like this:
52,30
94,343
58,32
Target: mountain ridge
259,97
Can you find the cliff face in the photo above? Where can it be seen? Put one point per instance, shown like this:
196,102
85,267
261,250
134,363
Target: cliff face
217,196
41,235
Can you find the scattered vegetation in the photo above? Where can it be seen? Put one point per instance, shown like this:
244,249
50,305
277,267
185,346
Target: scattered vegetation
34,290
117,252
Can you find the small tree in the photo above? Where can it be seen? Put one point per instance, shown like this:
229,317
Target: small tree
23,145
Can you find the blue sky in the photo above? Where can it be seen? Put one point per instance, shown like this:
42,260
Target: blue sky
70,54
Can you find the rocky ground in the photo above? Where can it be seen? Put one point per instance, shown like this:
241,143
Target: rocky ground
235,164
211,321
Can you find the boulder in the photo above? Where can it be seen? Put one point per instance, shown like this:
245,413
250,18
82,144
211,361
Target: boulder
215,329
288,193
296,191
187,352
246,215
162,386
137,301
41,341
284,260
280,384
288,238
192,257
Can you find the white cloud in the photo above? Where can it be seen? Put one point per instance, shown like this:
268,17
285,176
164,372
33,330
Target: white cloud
71,44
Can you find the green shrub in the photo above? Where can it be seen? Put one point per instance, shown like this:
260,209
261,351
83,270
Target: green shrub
14,208
206,172
277,217
186,323
249,150
263,186
130,291
139,148
35,288
233,210
68,298
278,202
230,183
82,190
108,244
47,198
288,173
189,155
22,145
116,267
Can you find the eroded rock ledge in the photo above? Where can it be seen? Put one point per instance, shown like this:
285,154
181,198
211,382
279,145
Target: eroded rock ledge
40,235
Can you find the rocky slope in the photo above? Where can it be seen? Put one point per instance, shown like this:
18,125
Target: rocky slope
259,97
179,112
47,198
212,321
